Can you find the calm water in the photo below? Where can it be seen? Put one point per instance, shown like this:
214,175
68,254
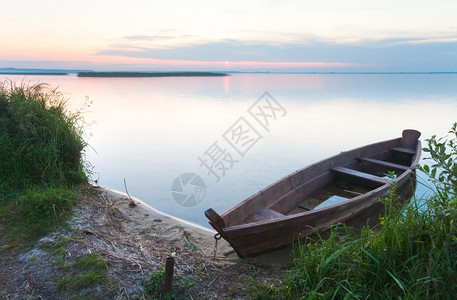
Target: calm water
151,130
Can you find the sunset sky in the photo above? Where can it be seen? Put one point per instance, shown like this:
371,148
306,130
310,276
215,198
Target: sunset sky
323,35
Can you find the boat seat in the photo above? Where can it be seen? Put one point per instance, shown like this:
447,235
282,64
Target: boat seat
361,175
404,150
307,208
384,163
262,215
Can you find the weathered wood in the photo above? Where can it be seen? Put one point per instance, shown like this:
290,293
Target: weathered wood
288,201
305,207
361,175
215,219
263,214
384,163
279,214
410,138
404,150
343,192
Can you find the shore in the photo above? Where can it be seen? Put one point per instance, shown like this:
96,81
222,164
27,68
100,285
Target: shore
144,216
134,242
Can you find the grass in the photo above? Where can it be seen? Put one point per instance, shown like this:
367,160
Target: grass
412,256
153,286
42,159
89,271
34,212
40,141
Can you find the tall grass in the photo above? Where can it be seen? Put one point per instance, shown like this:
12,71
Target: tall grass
41,157
40,142
412,256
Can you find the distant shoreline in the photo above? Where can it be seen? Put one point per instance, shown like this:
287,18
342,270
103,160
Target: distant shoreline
220,73
33,73
151,74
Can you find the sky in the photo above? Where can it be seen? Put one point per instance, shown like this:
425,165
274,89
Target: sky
287,35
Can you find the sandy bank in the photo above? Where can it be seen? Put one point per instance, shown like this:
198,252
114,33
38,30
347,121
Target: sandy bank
145,217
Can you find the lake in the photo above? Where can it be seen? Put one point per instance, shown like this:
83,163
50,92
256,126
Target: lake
161,134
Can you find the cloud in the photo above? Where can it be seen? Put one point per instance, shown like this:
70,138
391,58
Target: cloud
147,37
389,54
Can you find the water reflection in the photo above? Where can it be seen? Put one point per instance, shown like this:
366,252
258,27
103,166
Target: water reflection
150,130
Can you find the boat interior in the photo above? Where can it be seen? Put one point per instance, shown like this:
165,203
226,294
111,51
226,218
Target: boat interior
340,183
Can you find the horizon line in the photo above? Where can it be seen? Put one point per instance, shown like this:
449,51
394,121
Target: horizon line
63,71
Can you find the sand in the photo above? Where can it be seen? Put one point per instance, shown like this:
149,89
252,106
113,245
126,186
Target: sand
145,217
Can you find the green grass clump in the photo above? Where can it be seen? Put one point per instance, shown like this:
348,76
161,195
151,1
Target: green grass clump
44,204
90,270
41,156
92,261
412,256
80,281
32,214
40,141
153,285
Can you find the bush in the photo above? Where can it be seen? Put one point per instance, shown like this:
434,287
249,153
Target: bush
443,171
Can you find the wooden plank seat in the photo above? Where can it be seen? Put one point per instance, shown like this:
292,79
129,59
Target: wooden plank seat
384,163
404,150
263,214
361,175
307,208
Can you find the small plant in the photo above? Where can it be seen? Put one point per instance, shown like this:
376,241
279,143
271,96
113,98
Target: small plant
153,285
443,170
59,251
82,280
60,261
191,244
63,242
92,261
90,270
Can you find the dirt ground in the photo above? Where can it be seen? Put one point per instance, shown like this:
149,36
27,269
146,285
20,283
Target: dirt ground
134,242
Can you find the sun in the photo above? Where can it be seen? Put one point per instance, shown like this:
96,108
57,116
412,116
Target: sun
226,63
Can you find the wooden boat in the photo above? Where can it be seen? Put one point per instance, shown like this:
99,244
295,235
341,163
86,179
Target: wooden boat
325,193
